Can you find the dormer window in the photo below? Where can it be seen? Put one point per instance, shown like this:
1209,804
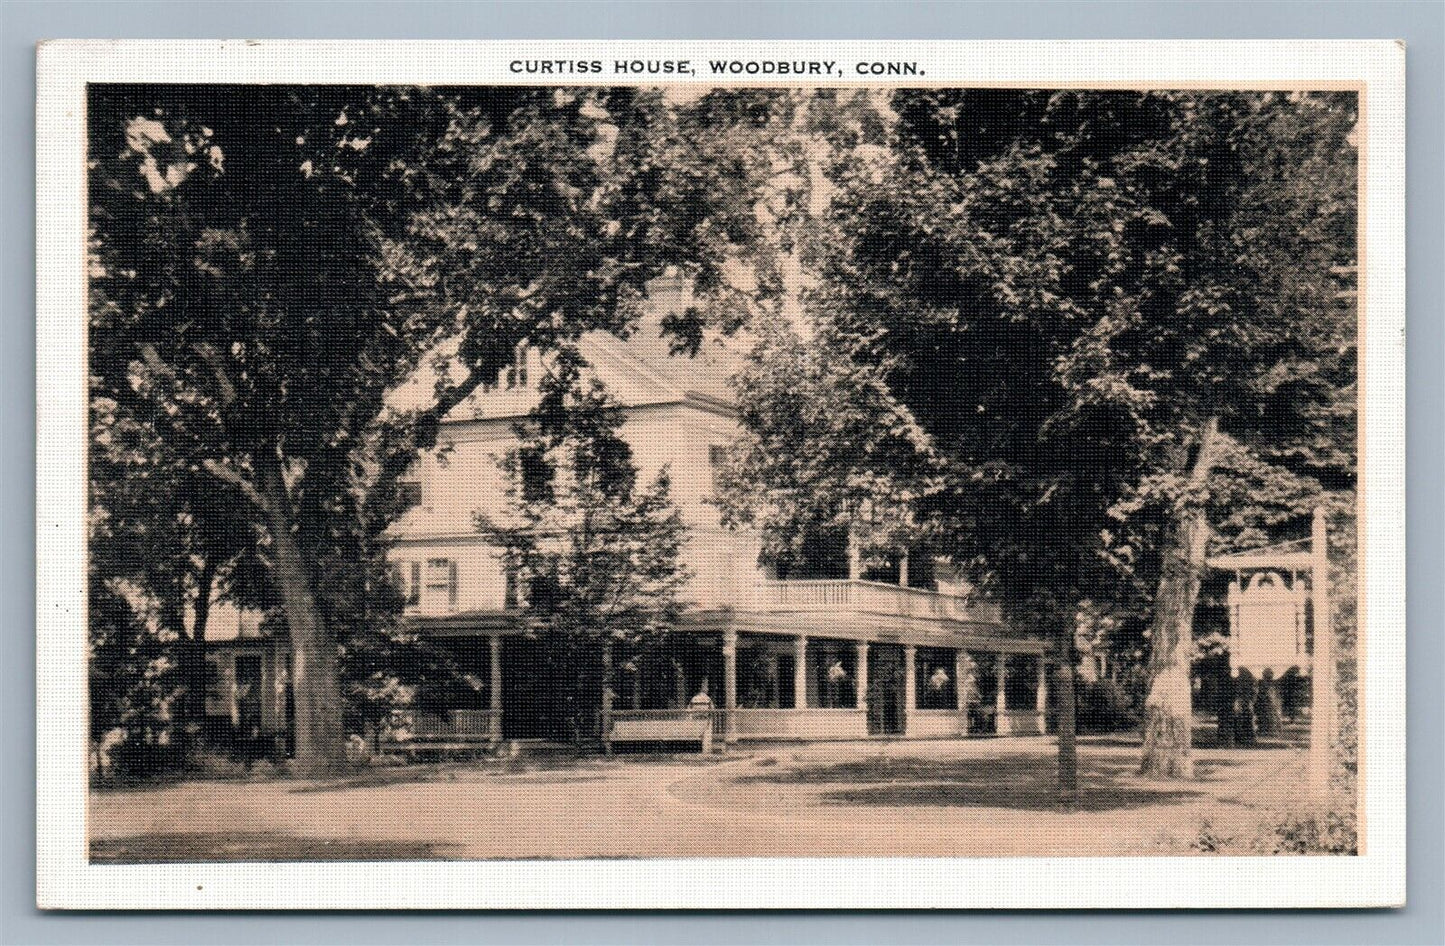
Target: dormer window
516,375
408,494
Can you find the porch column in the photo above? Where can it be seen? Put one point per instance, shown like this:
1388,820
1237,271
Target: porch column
494,690
730,685
862,676
910,682
903,569
1000,698
1041,695
800,672
960,679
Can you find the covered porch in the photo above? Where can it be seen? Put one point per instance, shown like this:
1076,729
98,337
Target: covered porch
756,685
802,686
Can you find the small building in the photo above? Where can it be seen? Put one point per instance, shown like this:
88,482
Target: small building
907,651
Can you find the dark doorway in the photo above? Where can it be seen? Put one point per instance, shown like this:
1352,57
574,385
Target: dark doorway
537,696
885,689
248,696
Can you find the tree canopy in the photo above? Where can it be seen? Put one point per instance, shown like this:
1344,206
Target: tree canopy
1109,314
271,264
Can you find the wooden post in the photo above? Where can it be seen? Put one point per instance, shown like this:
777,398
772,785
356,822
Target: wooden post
910,683
607,697
1000,697
903,569
861,676
855,556
800,672
494,690
1041,696
1322,664
960,682
730,685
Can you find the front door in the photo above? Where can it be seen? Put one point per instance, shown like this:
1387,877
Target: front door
885,689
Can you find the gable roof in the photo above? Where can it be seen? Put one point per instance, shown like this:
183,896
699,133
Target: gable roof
640,369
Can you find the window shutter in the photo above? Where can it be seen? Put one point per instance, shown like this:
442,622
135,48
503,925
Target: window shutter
452,584
413,592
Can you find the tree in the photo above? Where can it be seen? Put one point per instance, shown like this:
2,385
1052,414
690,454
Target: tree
1085,301
825,457
164,542
1092,297
594,553
271,264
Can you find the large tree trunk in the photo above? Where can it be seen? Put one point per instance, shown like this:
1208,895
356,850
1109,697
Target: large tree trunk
607,694
193,659
1066,722
314,662
1168,707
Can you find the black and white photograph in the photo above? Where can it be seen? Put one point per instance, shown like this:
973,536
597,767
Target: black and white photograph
731,457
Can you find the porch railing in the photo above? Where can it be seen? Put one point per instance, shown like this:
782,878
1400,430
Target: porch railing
868,596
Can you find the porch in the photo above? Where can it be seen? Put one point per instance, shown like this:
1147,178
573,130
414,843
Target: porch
750,685
862,596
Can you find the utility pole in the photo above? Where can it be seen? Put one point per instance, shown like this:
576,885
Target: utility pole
1322,670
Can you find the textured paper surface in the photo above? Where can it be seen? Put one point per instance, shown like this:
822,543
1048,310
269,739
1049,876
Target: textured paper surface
669,832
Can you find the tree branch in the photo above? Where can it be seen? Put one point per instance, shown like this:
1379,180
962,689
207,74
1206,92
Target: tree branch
230,475
208,354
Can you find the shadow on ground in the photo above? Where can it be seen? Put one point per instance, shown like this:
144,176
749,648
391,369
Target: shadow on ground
1027,783
536,769
255,846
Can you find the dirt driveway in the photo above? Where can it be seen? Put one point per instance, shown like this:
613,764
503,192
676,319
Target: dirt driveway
975,798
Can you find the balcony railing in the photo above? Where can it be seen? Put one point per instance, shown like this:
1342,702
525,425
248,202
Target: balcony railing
871,597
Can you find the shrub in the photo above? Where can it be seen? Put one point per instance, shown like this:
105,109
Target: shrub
1104,706
1295,832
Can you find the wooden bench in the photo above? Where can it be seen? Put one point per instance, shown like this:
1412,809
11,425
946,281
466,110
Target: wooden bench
674,725
454,732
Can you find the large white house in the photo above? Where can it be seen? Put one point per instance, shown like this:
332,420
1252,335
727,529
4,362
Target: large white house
901,653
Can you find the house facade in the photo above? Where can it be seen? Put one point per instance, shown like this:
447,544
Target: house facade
906,652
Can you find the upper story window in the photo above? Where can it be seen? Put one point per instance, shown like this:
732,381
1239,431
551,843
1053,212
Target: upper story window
409,493
717,456
439,593
407,578
517,374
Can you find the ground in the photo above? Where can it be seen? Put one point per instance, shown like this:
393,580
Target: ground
953,798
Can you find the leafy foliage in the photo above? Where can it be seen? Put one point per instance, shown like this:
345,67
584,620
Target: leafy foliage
1109,314
271,265
595,554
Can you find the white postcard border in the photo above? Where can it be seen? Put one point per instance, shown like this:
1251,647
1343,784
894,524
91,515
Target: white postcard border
66,880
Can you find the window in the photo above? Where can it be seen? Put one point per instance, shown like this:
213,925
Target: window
717,455
935,671
511,591
440,590
516,375
409,493
407,577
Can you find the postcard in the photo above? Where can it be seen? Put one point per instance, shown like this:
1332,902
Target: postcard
720,475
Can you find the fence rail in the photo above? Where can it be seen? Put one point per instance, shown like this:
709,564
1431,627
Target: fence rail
870,596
